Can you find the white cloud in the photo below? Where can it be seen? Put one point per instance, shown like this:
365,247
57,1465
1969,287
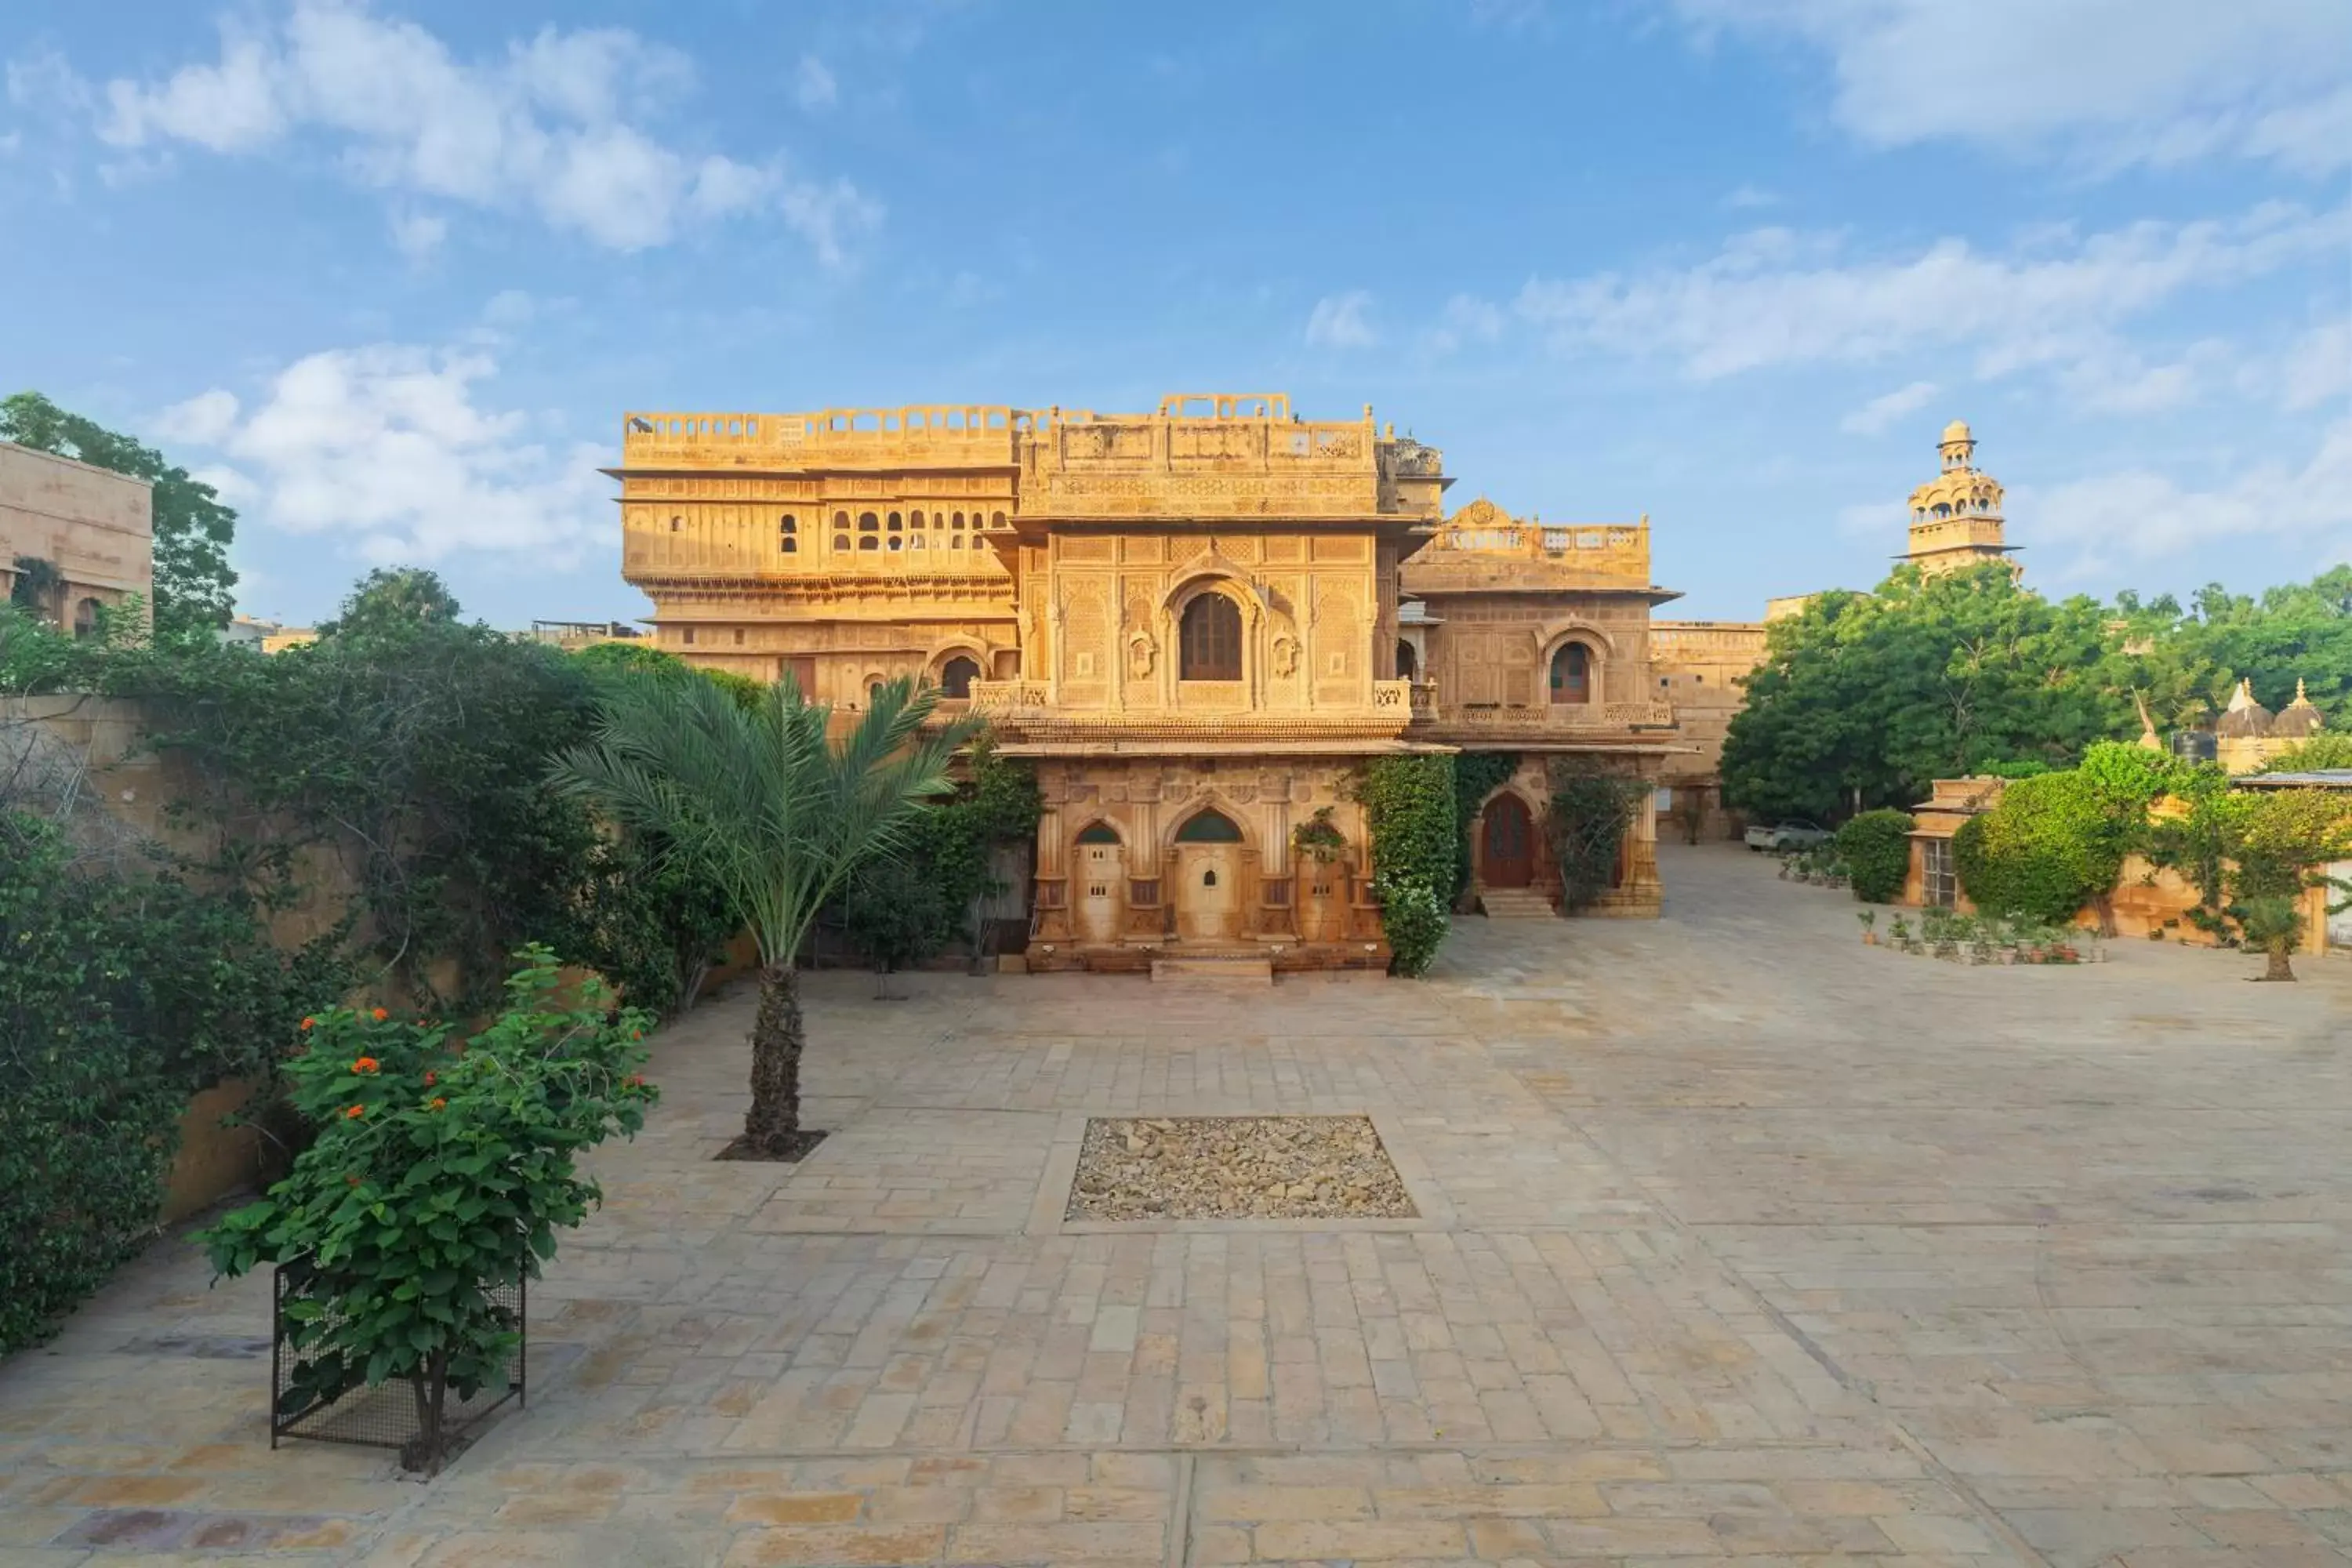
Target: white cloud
2318,369
1337,322
1465,319
418,235
386,445
2112,82
814,88
2140,516
1749,198
1883,411
561,126
202,421
1774,297
235,488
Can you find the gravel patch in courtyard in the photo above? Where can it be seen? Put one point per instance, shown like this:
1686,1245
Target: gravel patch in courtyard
1235,1167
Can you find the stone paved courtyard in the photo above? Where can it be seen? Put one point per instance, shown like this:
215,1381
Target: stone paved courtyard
1736,1241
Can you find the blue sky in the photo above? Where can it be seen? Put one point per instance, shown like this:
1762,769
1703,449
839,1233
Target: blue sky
392,272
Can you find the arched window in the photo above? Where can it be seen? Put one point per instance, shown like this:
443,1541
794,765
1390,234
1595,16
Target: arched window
1407,661
957,676
897,522
1211,638
1209,825
869,532
955,542
914,520
676,523
958,521
1097,833
841,541
1572,674
872,692
786,534
995,520
86,618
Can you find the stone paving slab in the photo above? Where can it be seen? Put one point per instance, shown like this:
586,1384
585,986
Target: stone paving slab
1738,1243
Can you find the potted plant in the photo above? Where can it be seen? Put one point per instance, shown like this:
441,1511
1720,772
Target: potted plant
1869,918
439,1172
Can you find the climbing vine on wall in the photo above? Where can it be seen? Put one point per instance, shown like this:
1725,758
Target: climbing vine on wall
1476,775
1408,807
1590,814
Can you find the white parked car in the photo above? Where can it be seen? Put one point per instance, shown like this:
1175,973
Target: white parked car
1782,837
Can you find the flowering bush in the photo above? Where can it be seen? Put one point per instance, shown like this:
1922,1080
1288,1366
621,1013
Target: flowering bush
441,1171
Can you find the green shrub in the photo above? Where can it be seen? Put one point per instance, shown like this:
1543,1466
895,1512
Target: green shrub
1877,849
439,1174
121,997
1409,809
2037,853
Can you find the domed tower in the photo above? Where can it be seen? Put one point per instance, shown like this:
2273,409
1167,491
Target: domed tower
1956,517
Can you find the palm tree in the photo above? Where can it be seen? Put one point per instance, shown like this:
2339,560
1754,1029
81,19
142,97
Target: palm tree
760,802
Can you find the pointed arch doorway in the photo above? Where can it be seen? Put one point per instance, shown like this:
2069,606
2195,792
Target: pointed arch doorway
1208,853
1506,854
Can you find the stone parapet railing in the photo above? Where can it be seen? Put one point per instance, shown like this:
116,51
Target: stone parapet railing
1580,716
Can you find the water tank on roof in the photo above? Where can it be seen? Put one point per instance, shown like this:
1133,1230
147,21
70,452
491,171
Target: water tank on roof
2194,745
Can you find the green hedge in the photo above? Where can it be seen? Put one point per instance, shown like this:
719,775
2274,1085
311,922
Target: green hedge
1877,849
1409,806
120,997
2037,854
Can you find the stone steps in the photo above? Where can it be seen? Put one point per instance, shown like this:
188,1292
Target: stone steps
1516,904
1214,969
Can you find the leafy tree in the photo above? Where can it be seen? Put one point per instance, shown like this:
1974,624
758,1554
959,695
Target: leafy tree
193,527
2281,842
761,803
437,1176
1865,699
391,600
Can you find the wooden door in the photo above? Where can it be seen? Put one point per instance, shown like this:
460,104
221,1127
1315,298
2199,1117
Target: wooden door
1509,859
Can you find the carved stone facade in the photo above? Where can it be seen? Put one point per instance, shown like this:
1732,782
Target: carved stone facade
1191,620
1533,638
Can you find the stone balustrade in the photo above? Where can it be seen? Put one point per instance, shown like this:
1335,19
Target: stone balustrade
1578,716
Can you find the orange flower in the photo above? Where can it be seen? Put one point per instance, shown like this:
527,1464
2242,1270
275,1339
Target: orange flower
366,1064
356,1111
636,1080
379,1014
307,1022
439,1103
637,1034
429,1077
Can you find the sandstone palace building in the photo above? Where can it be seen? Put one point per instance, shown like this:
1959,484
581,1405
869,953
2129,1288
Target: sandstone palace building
1196,622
